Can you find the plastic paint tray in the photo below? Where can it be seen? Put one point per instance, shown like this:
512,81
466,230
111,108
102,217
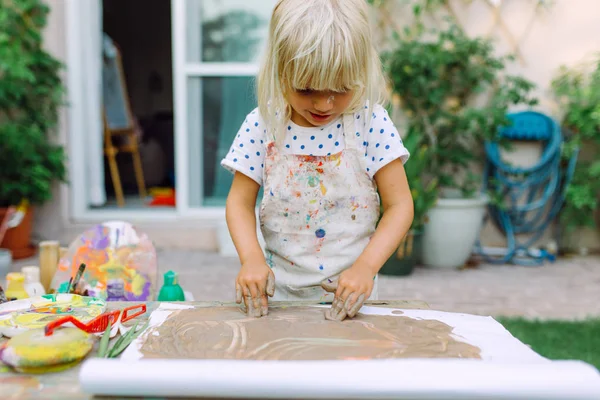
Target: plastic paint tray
36,312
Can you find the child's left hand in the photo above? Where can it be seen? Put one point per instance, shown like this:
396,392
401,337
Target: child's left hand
351,289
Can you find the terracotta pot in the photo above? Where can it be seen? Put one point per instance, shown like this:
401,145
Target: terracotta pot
18,239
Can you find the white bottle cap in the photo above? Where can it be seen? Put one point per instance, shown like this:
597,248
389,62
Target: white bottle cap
32,274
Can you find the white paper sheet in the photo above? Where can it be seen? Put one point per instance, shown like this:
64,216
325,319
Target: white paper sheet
384,379
508,370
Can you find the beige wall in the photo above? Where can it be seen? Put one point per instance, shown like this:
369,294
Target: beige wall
565,34
50,218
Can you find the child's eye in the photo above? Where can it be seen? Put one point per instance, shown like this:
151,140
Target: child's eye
304,91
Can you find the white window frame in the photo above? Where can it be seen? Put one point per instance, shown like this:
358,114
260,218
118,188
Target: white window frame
183,70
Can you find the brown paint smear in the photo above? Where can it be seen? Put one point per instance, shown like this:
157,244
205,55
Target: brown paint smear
299,333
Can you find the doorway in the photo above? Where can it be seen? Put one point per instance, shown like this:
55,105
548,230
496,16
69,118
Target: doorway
189,68
141,31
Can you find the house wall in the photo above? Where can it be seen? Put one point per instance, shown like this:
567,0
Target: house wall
565,34
51,217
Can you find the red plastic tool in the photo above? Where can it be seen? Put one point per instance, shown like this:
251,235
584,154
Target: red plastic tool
99,323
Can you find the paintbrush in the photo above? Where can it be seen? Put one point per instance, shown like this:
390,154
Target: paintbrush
73,288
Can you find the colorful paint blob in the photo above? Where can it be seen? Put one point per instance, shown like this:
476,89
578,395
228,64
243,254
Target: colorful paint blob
33,352
114,253
36,312
320,233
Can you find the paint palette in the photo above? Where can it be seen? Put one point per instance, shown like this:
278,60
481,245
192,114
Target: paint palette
121,263
33,352
36,312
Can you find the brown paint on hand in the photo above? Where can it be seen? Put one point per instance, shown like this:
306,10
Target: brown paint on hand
299,333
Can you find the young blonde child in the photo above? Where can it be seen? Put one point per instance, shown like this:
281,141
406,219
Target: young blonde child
322,146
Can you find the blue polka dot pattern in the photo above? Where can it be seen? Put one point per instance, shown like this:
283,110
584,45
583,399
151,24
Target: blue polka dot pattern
249,148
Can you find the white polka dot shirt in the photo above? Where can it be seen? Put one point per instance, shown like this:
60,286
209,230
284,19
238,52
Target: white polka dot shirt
380,141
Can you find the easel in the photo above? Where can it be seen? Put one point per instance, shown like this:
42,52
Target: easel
121,124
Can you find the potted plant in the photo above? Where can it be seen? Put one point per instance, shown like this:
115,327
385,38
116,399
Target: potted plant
30,96
577,90
424,194
454,94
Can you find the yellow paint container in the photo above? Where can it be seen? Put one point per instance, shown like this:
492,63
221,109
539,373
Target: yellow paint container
15,286
34,352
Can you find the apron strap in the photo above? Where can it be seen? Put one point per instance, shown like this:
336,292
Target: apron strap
350,131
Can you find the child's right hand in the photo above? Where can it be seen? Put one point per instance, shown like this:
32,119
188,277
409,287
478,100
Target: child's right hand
254,282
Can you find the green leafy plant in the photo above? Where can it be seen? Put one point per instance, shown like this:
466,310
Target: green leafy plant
454,94
578,92
424,191
30,96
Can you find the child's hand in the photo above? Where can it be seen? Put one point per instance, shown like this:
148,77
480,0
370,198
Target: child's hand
351,289
254,282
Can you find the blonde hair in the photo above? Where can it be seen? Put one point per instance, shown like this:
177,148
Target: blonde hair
318,45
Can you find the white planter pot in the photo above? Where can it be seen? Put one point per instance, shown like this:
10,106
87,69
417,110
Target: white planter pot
226,246
453,228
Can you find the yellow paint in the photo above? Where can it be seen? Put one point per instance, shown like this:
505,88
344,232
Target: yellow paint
323,189
34,351
137,284
46,369
15,288
81,307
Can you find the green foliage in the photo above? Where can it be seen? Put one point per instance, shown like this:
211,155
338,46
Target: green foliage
578,92
30,96
424,192
455,96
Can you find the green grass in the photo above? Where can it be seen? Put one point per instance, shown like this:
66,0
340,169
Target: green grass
559,340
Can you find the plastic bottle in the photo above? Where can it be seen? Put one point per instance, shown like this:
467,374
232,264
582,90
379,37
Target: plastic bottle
5,262
171,291
33,286
15,286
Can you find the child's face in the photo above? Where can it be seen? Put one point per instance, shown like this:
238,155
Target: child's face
317,108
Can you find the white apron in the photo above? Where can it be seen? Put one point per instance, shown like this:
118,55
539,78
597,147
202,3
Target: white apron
317,215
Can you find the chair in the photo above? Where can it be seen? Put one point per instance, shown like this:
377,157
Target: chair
120,134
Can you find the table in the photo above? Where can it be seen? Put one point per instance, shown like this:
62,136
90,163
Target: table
65,385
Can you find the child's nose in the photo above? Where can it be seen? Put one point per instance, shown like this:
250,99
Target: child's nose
322,103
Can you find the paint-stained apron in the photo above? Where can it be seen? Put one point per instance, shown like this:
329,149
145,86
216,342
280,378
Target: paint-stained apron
317,215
